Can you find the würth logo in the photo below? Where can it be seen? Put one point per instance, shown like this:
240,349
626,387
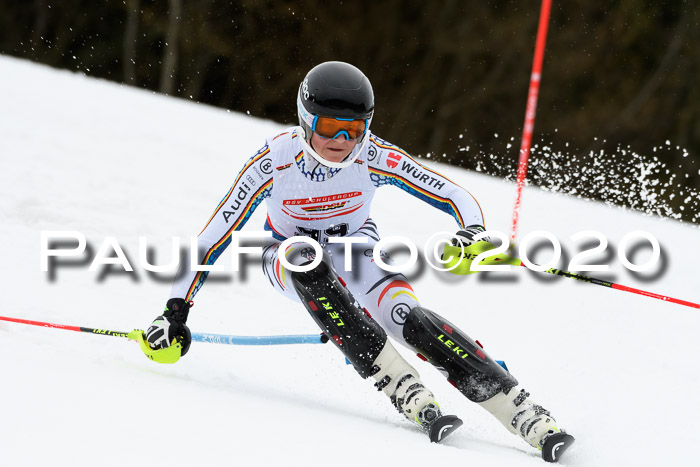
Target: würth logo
393,160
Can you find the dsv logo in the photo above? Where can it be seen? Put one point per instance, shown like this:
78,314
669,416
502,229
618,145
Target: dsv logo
305,88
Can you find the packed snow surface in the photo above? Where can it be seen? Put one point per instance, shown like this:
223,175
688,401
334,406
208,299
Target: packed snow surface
618,370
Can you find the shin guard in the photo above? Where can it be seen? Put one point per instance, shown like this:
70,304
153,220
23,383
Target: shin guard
349,327
468,367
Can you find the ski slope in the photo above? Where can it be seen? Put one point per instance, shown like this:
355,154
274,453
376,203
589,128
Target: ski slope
619,371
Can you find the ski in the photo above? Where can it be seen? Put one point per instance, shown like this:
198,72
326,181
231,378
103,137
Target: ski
442,427
555,445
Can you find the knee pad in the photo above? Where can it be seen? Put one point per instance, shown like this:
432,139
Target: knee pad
345,323
468,367
302,253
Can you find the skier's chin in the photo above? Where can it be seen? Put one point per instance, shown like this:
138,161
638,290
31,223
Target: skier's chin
335,155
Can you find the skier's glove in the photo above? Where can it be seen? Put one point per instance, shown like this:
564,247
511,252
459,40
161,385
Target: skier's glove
168,338
464,250
465,237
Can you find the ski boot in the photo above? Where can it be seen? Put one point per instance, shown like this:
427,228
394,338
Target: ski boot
436,425
401,383
521,416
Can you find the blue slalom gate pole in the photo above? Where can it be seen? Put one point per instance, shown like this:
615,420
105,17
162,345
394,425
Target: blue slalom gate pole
259,340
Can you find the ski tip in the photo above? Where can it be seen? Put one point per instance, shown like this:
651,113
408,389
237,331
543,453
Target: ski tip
556,445
443,427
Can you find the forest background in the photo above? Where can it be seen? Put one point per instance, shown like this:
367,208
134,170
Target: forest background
618,118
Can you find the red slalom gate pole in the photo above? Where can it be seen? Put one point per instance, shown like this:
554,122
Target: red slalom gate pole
530,111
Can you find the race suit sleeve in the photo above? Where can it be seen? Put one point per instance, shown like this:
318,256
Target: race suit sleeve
252,185
390,165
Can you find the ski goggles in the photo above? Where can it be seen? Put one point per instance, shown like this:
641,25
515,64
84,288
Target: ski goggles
331,128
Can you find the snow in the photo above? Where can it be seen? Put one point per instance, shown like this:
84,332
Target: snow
618,370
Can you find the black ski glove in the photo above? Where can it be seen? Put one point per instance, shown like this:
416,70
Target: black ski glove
466,236
171,325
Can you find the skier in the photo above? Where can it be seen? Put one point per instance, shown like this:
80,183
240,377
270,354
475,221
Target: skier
318,180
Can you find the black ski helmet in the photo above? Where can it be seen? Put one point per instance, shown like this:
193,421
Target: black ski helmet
337,90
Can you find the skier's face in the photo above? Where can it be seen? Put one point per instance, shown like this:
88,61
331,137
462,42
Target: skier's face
333,150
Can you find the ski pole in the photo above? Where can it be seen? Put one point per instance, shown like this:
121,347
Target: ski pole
103,332
613,285
461,260
197,337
